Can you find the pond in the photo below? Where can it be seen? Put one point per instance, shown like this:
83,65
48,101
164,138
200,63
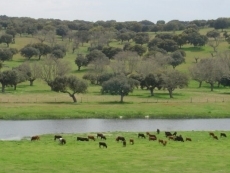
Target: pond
16,130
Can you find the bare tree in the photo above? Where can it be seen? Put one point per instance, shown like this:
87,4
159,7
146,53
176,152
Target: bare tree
52,68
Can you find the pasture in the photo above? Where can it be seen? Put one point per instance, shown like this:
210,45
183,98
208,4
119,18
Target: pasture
39,102
202,154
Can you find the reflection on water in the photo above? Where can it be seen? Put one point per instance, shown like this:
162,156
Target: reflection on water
15,130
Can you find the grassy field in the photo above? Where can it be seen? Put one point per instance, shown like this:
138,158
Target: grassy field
39,102
203,154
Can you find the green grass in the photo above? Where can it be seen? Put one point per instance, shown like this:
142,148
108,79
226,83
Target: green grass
203,154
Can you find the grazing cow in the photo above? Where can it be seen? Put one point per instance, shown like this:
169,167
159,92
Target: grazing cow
223,135
99,135
124,143
211,134
131,141
152,138
188,139
171,137
158,131
120,138
141,135
91,137
179,138
164,143
168,134
215,137
34,138
62,141
161,141
82,139
103,137
174,134
57,137
103,144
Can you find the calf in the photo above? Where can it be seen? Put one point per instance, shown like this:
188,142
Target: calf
171,137
141,135
223,135
57,137
102,144
131,141
82,139
164,143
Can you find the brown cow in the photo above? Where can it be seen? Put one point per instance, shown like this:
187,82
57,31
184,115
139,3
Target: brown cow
215,137
188,139
152,138
171,137
34,138
164,143
131,141
91,137
161,141
211,134
99,135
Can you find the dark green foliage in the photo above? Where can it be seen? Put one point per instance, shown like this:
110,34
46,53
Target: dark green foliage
29,52
5,55
119,85
70,85
177,59
81,61
110,52
141,38
6,38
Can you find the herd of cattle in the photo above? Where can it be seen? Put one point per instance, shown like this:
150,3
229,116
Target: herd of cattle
151,137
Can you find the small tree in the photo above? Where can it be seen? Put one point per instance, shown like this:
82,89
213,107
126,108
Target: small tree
29,52
81,61
119,85
6,38
173,79
70,85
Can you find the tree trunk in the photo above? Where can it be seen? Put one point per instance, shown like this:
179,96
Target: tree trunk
151,91
3,88
79,68
73,97
31,82
170,93
15,86
212,86
122,96
200,83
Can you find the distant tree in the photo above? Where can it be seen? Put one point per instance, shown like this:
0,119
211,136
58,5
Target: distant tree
177,59
110,52
81,61
141,38
119,85
221,23
92,77
83,36
140,50
93,55
104,77
173,79
29,52
70,85
180,39
44,49
8,77
62,30
52,68
6,38
152,81
5,55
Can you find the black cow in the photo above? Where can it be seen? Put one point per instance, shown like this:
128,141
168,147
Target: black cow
158,131
174,134
57,137
179,138
141,135
223,135
82,139
168,134
62,141
120,138
102,144
103,137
